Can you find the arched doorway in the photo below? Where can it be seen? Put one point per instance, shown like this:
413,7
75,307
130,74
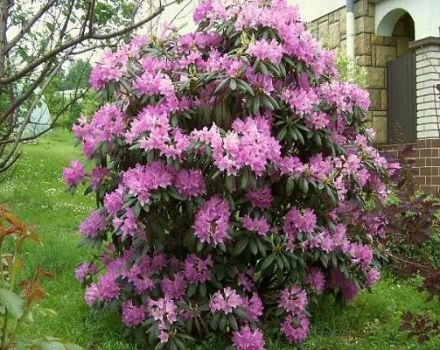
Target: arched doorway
401,79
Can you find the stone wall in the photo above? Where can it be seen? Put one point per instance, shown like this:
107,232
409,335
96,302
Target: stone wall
372,52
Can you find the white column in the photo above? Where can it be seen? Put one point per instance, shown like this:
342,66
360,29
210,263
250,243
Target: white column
427,76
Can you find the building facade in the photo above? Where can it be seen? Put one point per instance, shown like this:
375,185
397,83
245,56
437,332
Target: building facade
398,43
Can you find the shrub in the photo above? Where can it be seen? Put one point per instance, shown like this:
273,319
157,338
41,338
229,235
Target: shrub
234,178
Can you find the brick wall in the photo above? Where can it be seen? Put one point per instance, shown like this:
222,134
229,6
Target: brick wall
427,165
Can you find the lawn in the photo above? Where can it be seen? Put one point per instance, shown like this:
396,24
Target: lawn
36,193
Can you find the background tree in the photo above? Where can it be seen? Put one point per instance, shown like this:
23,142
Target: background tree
77,75
37,37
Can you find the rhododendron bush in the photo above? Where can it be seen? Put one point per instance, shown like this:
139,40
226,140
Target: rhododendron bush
235,180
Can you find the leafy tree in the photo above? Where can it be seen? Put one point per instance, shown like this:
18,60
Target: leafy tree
37,37
77,76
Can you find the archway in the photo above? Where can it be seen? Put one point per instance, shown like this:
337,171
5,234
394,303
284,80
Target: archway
401,78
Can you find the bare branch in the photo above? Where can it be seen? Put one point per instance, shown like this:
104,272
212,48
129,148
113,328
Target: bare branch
91,48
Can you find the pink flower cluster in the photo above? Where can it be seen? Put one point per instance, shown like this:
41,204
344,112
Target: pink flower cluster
212,221
75,174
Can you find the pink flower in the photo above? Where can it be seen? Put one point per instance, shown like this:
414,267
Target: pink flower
296,222
130,226
91,295
212,221
361,254
97,176
74,174
163,336
226,301
253,307
295,328
174,288
163,310
109,68
140,276
246,339
271,51
261,226
245,282
316,280
108,288
260,198
84,269
373,275
190,183
94,224
293,300
113,201
132,316
339,281
197,270
142,180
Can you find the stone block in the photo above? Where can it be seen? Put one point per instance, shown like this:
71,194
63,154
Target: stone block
364,60
384,99
377,40
334,36
363,44
375,77
364,25
381,129
323,29
384,54
360,9
343,21
375,98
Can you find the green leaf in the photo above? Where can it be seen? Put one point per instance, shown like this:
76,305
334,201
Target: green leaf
256,105
282,134
244,180
191,290
242,314
246,87
261,247
290,185
253,246
317,140
202,290
267,261
233,323
221,85
233,85
305,186
12,302
240,246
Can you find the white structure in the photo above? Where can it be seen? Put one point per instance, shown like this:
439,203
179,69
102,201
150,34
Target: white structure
40,120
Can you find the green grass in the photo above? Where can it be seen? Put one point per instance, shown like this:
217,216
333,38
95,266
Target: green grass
35,192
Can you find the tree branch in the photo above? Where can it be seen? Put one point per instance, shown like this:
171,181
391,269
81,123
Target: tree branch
79,39
28,26
47,79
